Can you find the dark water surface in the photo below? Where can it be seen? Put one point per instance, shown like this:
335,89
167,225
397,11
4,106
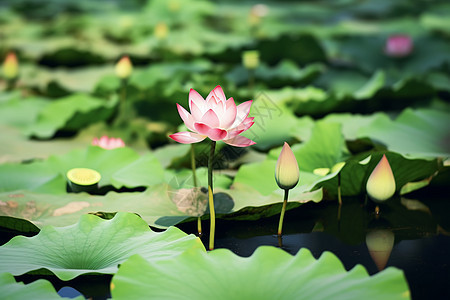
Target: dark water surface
419,231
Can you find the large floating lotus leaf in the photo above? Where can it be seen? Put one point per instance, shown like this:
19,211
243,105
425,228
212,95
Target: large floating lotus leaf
357,170
93,245
323,150
261,177
157,201
38,290
16,147
270,273
38,177
249,204
21,112
184,179
70,113
269,118
118,167
420,133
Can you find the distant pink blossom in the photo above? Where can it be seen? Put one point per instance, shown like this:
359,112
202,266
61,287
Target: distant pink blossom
106,142
216,118
398,46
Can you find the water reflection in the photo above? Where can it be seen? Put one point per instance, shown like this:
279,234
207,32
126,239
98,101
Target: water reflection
192,202
380,243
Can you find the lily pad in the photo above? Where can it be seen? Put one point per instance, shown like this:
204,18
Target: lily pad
71,113
153,204
118,167
93,245
270,273
417,133
40,289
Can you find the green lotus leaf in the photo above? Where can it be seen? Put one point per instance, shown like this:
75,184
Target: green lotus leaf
70,113
40,289
156,202
323,150
354,174
270,273
416,133
270,116
118,167
93,245
15,147
29,109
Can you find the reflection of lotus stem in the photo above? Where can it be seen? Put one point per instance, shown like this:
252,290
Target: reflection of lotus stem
280,224
251,81
211,196
194,175
339,189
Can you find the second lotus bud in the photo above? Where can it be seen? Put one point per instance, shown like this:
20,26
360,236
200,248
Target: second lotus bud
286,171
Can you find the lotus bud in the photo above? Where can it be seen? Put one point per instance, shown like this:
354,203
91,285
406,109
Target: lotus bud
286,170
250,59
257,12
398,46
381,183
161,31
124,67
10,66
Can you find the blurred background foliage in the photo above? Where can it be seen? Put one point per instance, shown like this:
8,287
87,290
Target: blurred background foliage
313,58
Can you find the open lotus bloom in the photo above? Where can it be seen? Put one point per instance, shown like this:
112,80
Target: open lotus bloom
381,183
398,46
108,143
216,118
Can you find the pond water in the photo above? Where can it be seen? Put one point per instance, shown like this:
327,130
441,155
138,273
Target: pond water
409,234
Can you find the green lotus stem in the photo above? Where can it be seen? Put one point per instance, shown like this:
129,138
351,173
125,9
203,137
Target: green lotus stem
211,196
194,175
280,224
10,84
122,117
251,80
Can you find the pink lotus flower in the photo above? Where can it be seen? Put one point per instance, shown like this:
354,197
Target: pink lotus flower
398,46
216,118
108,143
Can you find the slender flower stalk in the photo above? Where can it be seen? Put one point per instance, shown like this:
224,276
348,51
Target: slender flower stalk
286,175
283,210
212,211
124,68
